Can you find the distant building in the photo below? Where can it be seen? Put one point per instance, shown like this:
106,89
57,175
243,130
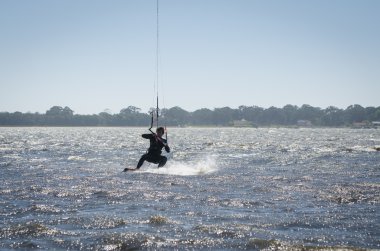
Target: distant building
242,123
305,123
376,124
359,125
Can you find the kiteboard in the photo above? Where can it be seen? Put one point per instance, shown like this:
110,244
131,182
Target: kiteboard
130,169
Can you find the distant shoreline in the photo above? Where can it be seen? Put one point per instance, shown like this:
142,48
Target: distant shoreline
245,116
194,126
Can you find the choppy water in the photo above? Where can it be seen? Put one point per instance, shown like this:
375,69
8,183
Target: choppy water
223,188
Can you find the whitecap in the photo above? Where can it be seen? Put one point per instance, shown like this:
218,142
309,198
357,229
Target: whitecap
181,168
76,158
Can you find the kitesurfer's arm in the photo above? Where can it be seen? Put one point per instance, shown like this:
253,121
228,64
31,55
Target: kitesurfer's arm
147,136
165,144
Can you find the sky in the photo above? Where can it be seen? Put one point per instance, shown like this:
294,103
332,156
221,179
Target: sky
96,56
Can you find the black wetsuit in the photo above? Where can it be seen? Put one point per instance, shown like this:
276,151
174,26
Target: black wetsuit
153,154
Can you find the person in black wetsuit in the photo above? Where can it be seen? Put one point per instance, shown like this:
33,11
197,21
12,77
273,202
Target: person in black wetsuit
153,154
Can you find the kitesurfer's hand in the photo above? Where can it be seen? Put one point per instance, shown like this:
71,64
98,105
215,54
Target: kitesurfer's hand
167,148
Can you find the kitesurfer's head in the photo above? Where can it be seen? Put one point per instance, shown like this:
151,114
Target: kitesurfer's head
160,131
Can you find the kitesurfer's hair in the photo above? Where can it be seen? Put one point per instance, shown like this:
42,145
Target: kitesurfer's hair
160,129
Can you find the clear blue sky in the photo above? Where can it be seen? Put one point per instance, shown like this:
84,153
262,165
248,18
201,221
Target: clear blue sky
94,55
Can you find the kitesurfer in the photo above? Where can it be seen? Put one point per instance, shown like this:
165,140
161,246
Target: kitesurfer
153,154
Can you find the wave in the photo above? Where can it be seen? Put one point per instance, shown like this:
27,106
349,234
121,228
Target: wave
200,167
27,229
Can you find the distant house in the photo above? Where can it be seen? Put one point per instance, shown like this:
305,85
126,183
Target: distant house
358,125
376,124
242,123
305,123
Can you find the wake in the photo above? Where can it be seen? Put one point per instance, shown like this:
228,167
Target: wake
199,167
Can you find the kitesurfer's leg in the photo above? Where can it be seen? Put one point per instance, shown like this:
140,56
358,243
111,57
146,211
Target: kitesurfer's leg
162,161
141,161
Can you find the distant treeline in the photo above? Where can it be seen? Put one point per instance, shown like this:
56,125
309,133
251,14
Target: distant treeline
289,115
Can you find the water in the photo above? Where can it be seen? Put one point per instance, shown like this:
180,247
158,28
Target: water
222,188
